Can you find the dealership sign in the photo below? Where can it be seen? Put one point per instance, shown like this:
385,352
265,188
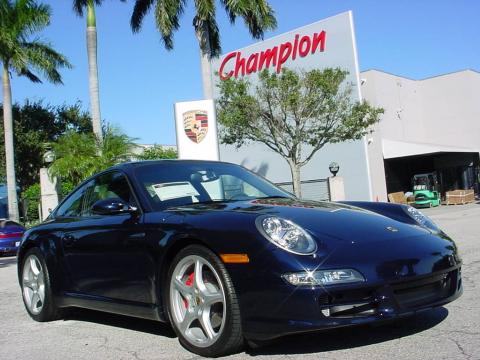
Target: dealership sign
275,57
196,130
328,43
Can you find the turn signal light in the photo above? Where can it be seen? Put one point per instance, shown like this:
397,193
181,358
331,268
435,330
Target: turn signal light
235,258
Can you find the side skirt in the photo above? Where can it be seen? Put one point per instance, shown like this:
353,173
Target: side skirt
114,306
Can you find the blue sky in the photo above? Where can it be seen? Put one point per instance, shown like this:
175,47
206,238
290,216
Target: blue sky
140,80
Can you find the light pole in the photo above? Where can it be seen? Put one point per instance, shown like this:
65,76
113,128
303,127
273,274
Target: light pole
334,168
48,156
336,186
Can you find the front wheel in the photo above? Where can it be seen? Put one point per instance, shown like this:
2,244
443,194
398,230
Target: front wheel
202,303
36,290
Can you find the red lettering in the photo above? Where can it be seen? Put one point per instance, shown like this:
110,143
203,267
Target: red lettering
252,63
295,47
319,38
224,76
285,51
304,47
276,56
267,56
240,64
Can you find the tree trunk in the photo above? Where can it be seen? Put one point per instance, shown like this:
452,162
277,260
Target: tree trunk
93,70
9,152
206,69
297,185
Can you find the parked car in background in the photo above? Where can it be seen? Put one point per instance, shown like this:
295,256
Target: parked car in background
11,233
225,256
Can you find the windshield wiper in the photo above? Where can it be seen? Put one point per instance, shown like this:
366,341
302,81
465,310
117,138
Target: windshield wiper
275,197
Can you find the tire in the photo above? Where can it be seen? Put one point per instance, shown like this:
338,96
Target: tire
35,279
203,310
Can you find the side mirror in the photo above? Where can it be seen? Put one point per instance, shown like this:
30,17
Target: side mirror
112,206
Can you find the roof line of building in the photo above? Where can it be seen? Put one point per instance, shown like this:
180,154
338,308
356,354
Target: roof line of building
422,79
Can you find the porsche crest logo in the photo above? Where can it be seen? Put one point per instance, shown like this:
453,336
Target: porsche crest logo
195,124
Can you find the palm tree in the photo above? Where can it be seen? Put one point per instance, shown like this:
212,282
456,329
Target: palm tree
79,6
19,20
80,155
257,15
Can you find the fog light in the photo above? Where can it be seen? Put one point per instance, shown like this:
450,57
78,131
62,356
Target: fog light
324,277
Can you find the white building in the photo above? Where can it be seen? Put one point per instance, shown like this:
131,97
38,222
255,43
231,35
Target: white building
429,125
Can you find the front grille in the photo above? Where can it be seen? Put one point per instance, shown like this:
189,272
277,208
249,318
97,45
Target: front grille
416,293
349,303
407,294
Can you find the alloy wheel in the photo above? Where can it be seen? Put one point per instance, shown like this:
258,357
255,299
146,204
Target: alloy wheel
197,298
33,284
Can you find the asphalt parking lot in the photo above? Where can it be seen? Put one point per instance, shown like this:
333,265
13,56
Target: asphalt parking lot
450,332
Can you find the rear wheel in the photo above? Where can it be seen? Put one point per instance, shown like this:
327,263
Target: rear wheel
36,289
202,303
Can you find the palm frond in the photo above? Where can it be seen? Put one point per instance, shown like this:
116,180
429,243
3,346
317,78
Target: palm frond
167,15
42,57
258,16
29,75
18,21
29,17
80,5
80,155
140,9
209,36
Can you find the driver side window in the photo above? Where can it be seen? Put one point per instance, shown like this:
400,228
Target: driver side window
110,185
72,207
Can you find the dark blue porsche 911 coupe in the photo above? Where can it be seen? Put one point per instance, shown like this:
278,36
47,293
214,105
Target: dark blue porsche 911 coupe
224,256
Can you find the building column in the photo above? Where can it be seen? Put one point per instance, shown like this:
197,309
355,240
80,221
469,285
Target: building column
48,193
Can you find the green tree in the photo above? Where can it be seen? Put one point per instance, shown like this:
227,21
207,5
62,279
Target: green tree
295,114
80,155
158,152
257,15
26,56
37,124
89,5
31,198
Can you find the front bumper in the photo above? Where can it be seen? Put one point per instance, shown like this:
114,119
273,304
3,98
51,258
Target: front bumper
289,309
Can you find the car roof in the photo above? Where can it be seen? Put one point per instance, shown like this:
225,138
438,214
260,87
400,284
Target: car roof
133,164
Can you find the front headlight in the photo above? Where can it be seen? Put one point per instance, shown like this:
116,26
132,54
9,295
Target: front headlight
422,219
286,235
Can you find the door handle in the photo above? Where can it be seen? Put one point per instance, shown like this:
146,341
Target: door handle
68,240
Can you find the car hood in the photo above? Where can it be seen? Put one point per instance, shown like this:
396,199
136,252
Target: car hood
324,220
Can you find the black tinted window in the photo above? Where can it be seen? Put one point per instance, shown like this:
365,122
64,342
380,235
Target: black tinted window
112,185
107,186
73,205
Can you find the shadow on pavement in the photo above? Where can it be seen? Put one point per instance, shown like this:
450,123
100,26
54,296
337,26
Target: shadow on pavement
346,338
8,261
126,322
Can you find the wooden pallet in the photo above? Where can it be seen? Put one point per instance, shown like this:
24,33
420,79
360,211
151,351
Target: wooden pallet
458,203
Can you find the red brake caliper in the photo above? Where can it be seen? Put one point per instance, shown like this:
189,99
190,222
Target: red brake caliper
189,282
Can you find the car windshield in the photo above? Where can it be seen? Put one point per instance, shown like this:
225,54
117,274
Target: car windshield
184,183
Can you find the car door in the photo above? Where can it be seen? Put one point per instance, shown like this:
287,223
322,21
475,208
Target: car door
107,256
